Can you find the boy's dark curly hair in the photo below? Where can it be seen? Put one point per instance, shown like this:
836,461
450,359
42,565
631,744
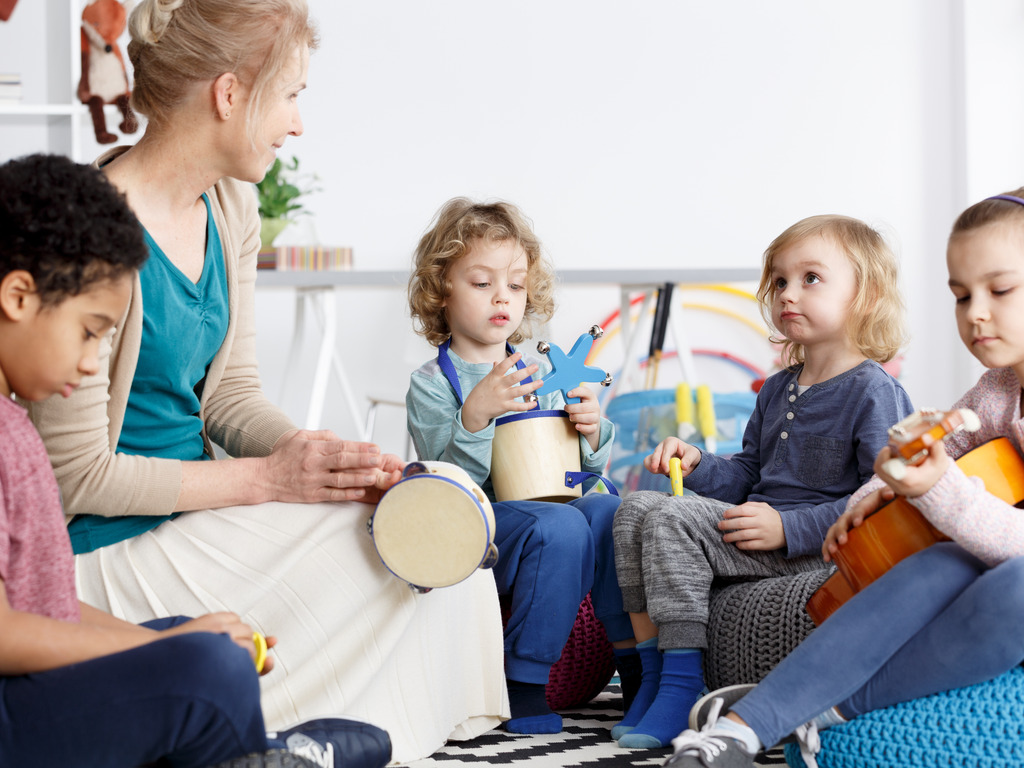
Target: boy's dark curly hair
66,225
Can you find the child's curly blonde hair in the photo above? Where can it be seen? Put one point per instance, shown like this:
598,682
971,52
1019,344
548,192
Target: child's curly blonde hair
450,237
877,320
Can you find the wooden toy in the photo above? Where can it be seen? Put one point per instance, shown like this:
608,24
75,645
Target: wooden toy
530,454
569,371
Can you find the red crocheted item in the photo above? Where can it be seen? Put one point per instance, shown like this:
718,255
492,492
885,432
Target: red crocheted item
587,662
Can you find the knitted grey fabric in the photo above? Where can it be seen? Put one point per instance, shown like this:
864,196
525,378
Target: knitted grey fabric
753,625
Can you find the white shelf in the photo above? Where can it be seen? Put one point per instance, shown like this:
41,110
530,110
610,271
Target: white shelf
40,109
72,110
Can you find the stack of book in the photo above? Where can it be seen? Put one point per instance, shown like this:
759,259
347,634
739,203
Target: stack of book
10,88
297,258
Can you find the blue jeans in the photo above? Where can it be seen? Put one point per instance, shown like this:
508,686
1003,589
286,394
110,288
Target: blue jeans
550,556
190,700
938,620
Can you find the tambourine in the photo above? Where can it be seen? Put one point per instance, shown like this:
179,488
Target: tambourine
434,527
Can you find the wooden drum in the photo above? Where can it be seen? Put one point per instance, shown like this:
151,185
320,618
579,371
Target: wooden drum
530,454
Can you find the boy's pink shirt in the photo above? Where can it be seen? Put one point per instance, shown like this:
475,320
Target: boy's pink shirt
36,562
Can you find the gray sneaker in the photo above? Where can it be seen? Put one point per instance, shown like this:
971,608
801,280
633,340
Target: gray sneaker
805,735
729,696
709,747
272,758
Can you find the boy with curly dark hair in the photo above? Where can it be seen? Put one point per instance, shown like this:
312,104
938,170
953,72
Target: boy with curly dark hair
78,686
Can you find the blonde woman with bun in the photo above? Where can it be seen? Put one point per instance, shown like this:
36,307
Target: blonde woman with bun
277,533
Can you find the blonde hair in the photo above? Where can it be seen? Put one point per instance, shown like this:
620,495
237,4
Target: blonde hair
450,237
177,43
877,319
989,211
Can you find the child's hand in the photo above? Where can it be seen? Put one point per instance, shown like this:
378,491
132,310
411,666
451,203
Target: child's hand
586,414
225,623
689,456
388,473
919,478
753,525
853,517
499,393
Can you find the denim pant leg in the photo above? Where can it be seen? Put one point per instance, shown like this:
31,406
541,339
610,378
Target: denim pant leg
845,652
606,597
546,563
978,637
192,700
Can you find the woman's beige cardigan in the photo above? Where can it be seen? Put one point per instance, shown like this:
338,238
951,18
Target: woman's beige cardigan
81,432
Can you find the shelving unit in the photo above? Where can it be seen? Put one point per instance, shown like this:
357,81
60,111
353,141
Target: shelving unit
59,111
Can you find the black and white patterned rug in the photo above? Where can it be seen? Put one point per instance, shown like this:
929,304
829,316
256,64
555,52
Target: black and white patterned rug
584,742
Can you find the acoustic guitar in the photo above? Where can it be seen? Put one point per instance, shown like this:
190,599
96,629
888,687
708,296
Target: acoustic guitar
898,529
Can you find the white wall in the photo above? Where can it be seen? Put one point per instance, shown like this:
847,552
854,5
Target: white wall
646,135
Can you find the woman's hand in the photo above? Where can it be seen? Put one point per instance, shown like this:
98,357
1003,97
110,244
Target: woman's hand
585,415
918,478
669,448
308,466
499,392
753,525
853,517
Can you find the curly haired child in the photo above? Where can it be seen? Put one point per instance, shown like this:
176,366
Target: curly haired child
479,281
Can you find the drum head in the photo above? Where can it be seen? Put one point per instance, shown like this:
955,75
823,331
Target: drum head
431,531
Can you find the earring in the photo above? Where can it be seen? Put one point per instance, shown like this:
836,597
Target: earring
227,115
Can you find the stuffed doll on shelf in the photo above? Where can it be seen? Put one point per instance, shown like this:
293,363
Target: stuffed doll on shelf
104,77
6,8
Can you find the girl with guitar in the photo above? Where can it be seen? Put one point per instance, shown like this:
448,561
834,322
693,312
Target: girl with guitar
829,287
949,616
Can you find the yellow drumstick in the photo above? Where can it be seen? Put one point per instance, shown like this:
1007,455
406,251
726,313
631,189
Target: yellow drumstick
684,413
706,417
675,474
261,650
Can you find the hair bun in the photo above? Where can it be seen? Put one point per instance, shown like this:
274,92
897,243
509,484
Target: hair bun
151,18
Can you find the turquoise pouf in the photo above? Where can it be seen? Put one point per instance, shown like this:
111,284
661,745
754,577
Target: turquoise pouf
981,726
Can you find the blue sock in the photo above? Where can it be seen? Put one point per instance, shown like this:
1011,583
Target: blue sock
530,711
650,678
682,680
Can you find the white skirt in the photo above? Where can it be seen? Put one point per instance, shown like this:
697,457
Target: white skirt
353,640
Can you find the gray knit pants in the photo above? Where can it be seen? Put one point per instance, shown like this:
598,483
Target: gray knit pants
668,550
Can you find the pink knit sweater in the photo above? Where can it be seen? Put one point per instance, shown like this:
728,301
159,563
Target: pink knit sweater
958,505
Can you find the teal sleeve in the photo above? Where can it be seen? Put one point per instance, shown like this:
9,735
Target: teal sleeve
435,424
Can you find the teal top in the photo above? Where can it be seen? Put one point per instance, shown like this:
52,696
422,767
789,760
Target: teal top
183,328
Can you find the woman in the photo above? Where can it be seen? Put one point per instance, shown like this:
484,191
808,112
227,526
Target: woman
160,529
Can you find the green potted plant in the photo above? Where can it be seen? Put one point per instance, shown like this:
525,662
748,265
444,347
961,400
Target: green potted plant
277,194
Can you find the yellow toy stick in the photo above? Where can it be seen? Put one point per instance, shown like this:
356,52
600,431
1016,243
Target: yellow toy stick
706,417
675,474
684,413
261,650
